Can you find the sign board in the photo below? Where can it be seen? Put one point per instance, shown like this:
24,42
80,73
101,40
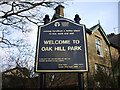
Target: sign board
61,47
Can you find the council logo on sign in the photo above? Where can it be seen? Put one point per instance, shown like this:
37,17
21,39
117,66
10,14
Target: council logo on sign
57,24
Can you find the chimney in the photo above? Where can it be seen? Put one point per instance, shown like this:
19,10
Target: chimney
59,10
111,35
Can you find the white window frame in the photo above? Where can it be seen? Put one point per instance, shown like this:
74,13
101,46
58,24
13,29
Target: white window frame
99,49
102,67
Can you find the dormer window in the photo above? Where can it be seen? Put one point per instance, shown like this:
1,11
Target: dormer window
98,46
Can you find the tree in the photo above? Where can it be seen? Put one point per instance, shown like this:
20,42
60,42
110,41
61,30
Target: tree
16,19
62,80
104,78
17,15
116,70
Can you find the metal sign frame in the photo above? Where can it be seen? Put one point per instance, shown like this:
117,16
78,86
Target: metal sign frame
57,24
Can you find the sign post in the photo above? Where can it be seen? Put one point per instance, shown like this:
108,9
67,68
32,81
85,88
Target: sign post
80,81
61,47
42,81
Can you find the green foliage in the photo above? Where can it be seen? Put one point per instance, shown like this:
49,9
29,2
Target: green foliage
104,79
90,82
116,68
18,78
19,82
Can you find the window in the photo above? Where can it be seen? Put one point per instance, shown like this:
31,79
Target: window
99,68
98,46
52,77
103,68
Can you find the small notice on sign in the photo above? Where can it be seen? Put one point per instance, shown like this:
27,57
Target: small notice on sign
61,47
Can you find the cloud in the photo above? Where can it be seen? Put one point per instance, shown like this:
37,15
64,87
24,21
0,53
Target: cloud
3,52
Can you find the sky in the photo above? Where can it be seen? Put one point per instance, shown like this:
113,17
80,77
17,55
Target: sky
92,13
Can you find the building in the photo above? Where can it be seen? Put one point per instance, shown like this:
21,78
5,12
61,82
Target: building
102,54
115,41
17,71
18,77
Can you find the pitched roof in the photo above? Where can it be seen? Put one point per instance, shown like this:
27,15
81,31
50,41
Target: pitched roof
99,27
56,16
115,39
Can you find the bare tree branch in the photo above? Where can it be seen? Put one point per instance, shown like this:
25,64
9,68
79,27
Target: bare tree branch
46,4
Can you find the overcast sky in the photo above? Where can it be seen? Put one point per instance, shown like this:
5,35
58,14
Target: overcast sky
92,12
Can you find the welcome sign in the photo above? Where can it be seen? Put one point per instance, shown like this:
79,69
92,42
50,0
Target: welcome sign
61,47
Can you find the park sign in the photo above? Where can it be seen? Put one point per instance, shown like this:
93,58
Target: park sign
61,47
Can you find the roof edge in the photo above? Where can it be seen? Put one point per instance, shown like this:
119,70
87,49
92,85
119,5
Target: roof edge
99,27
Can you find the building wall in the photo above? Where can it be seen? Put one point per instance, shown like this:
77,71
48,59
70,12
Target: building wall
114,53
19,72
110,55
104,60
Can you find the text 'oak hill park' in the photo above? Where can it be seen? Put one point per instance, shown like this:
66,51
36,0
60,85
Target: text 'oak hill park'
61,48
